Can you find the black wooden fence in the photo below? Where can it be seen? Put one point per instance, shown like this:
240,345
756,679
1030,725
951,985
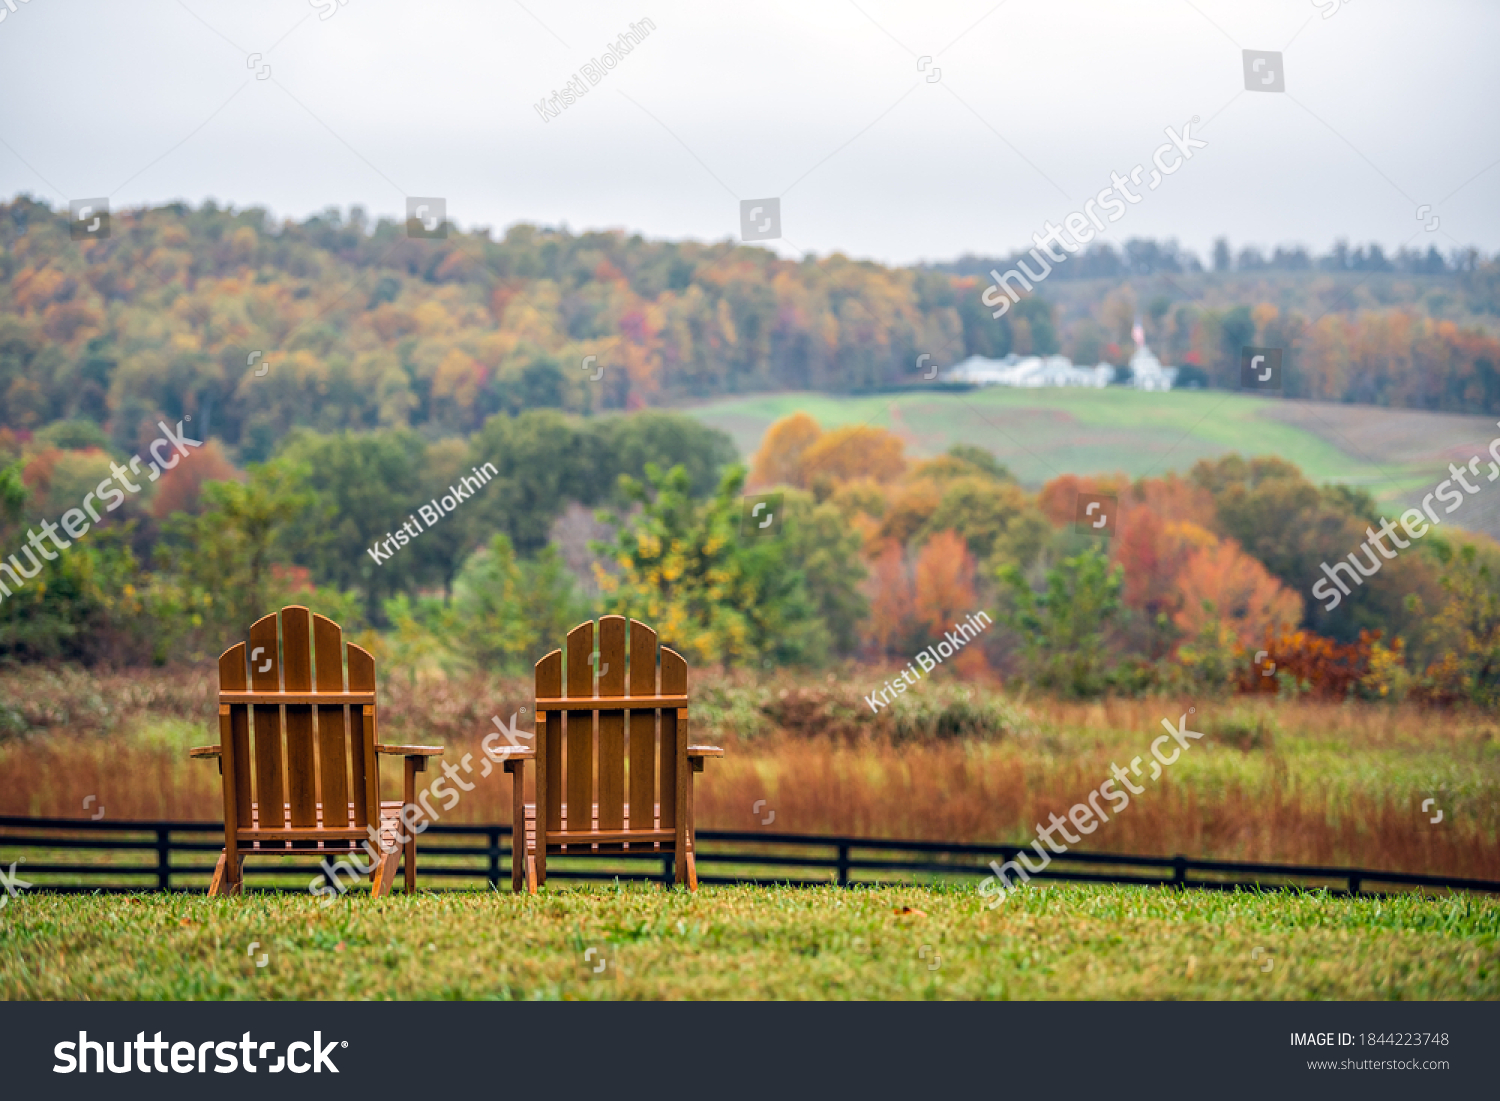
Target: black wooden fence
482,853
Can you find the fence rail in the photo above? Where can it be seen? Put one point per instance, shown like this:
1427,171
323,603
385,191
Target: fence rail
851,861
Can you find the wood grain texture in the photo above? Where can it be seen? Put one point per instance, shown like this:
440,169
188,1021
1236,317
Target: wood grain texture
642,725
228,785
517,825
674,679
296,672
611,724
579,766
409,797
232,676
364,767
548,753
265,674
333,722
276,698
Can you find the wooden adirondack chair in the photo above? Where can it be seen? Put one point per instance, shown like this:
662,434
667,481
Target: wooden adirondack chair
317,794
643,803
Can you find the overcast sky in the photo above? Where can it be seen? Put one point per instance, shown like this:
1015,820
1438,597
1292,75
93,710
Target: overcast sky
893,131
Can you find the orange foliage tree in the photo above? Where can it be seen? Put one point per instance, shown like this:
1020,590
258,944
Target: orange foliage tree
1317,664
779,459
1058,499
892,602
1220,584
181,488
944,592
853,451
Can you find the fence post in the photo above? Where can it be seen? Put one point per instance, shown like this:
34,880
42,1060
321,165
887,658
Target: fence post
843,865
163,858
1179,870
493,837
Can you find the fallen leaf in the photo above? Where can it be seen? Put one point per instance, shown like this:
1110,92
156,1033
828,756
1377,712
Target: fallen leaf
910,911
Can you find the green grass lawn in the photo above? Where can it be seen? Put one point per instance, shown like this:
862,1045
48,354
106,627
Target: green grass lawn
1067,941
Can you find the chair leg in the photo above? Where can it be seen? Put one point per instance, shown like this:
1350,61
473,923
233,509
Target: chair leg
410,797
687,867
530,874
385,874
522,871
223,885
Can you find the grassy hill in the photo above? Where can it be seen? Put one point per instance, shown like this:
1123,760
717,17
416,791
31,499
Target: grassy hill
1397,455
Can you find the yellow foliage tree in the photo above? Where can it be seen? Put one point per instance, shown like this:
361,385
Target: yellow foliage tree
854,451
779,460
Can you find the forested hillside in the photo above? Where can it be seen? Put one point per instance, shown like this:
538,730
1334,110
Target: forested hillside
254,328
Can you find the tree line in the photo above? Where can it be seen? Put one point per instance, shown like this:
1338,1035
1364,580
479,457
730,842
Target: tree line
863,554
255,328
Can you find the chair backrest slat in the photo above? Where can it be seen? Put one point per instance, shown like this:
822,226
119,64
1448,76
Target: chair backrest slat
642,728
232,679
265,676
549,738
366,781
333,729
611,724
673,745
580,761
296,672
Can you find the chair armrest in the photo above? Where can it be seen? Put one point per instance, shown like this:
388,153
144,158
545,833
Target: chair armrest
206,751
411,750
698,754
513,758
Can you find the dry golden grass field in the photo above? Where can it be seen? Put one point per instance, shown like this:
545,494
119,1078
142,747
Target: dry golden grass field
1286,781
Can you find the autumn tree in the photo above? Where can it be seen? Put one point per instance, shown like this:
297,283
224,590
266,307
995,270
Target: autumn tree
711,592
944,592
779,458
851,452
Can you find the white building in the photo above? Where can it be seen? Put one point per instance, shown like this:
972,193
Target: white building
1148,373
1037,371
1028,371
